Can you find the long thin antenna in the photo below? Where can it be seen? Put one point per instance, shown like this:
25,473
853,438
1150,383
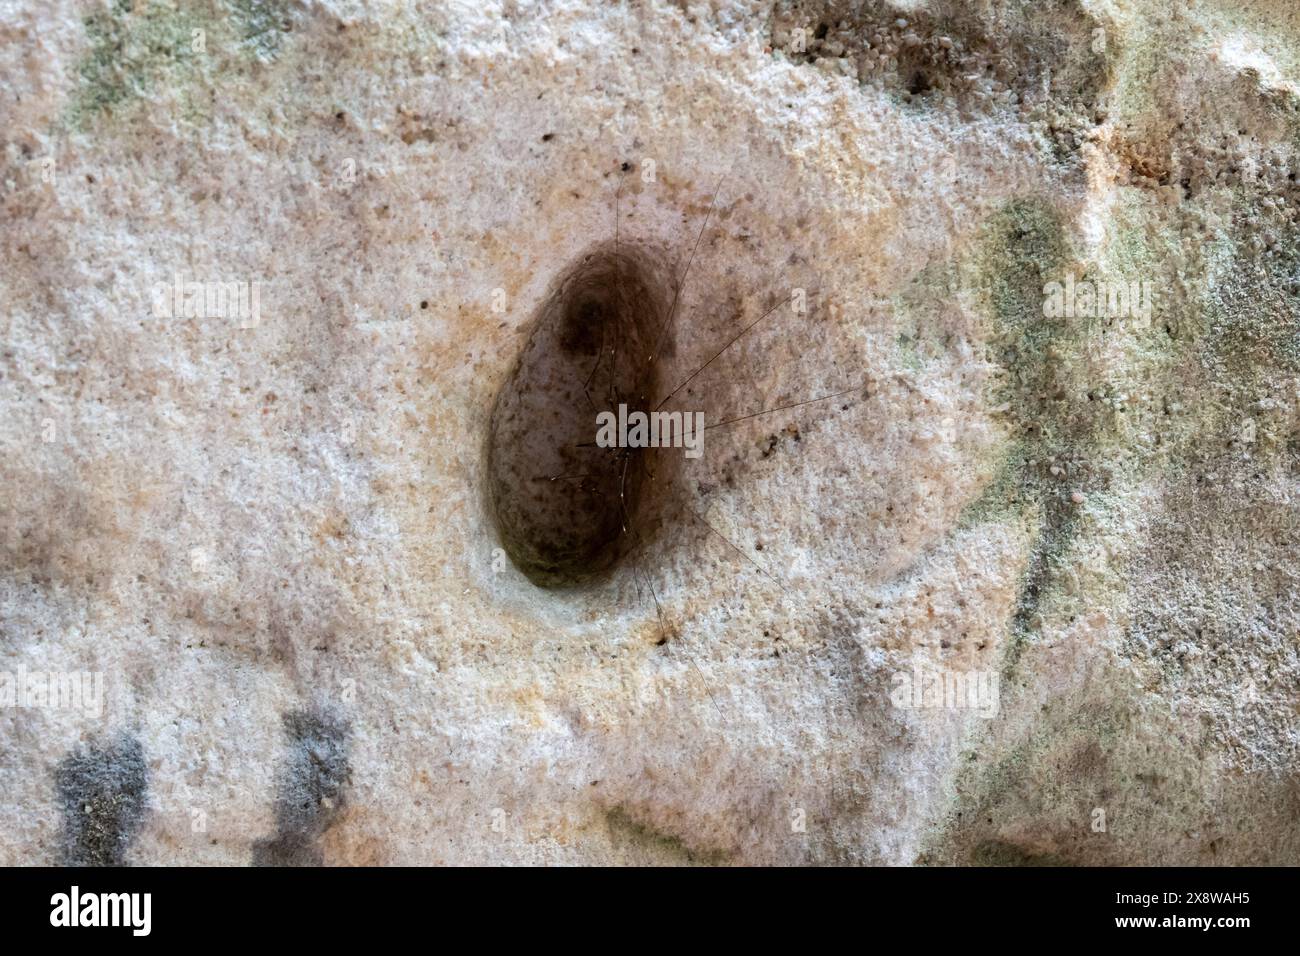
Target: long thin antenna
677,291
690,377
663,636
622,177
600,352
736,548
612,396
640,545
622,492
781,408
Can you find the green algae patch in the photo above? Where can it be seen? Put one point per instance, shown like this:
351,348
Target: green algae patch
261,24
1055,421
137,52
657,848
133,53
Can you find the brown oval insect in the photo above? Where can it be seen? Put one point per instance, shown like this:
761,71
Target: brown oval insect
565,508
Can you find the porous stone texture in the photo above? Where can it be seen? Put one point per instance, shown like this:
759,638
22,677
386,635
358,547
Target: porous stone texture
271,538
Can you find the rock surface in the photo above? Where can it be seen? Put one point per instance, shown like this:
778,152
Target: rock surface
267,534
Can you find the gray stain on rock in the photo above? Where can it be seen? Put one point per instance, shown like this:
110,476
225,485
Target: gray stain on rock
102,788
310,789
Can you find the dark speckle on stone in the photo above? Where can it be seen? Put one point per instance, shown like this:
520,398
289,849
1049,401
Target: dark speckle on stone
102,789
310,789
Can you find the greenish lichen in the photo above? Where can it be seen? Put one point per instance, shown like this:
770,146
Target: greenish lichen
133,50
921,333
660,848
261,25
1054,420
143,50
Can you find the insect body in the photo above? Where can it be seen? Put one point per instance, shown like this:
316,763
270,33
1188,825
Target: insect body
564,505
